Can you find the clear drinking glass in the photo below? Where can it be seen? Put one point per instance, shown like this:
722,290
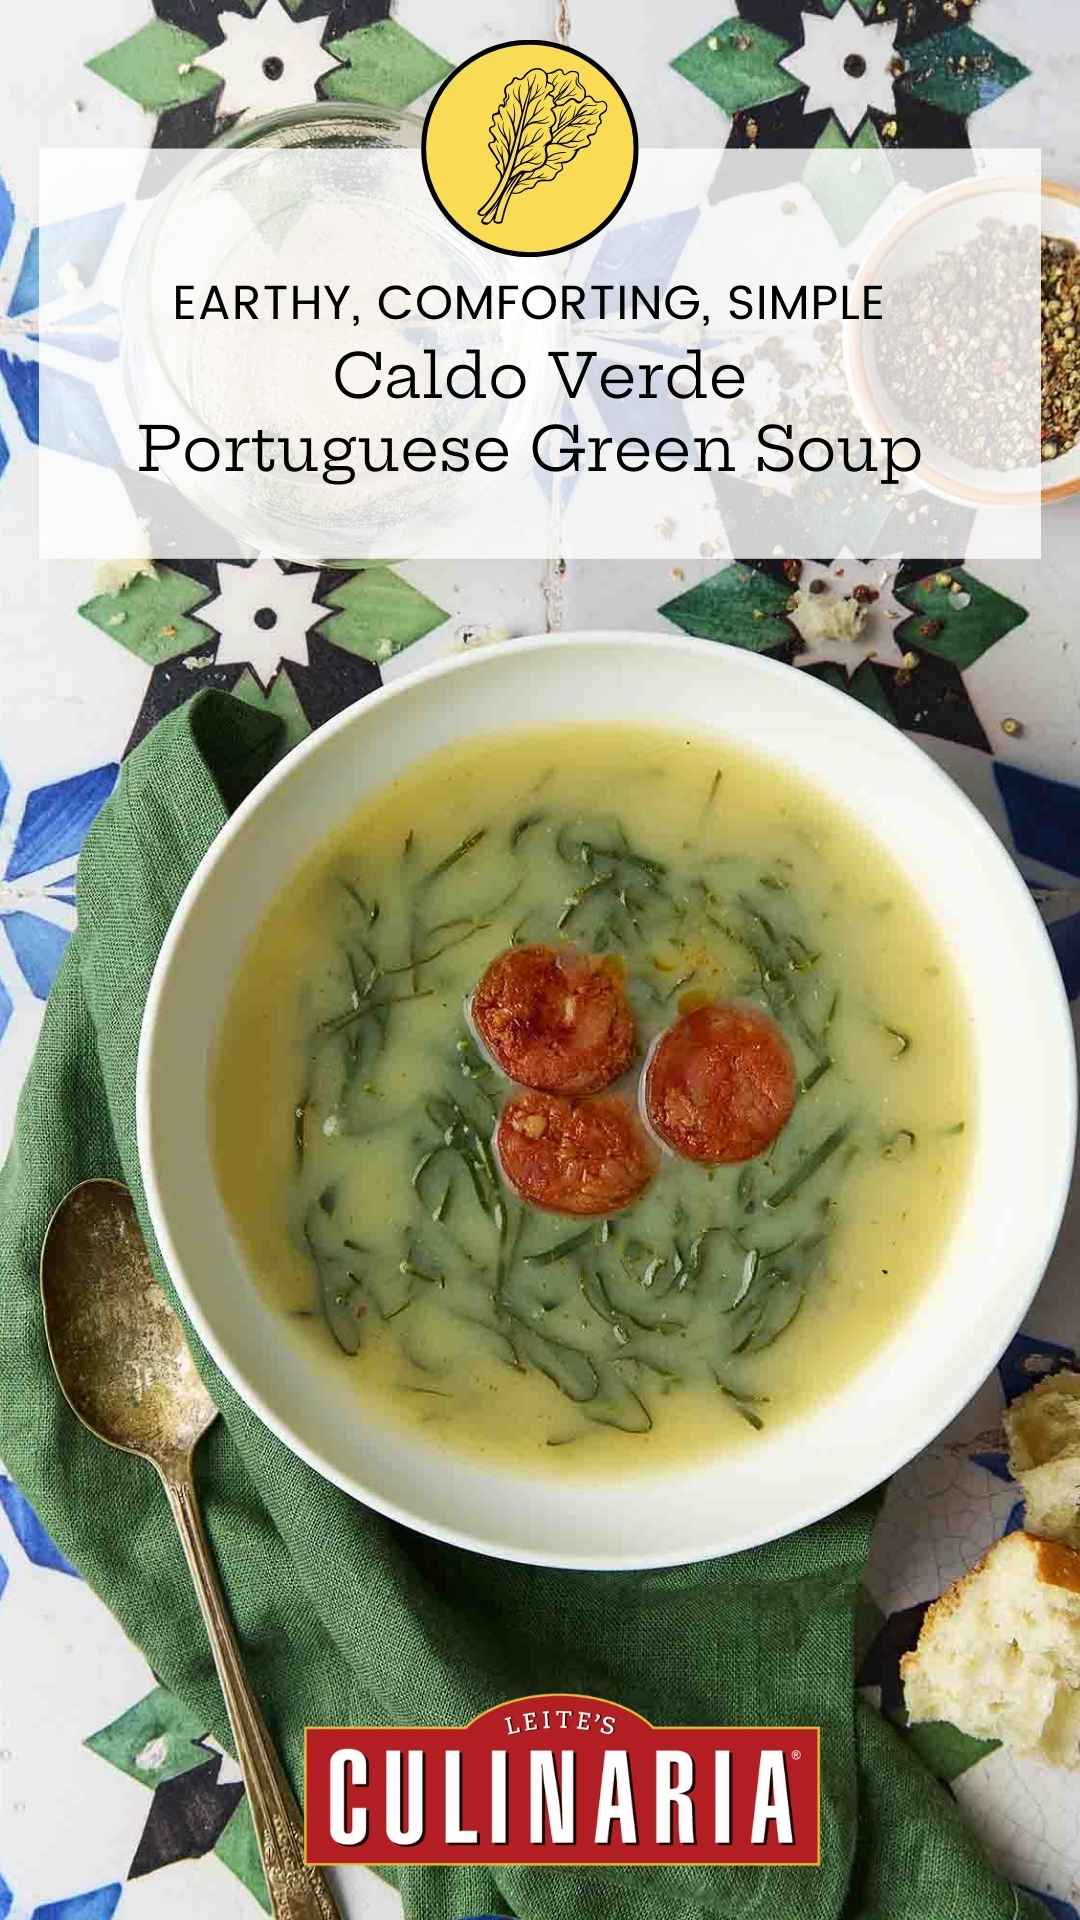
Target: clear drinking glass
326,192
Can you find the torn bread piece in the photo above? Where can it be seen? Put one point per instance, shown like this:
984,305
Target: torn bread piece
999,1653
1043,1430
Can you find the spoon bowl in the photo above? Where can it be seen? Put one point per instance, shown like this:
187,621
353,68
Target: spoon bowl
117,1345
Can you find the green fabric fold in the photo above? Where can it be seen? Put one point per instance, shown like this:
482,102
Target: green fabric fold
348,1619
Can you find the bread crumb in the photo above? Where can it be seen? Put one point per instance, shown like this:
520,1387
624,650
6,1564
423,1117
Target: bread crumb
820,616
112,576
484,636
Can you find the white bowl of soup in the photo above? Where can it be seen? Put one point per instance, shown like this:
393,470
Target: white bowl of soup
606,1101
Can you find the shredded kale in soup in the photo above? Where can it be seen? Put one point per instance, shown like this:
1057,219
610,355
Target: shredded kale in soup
357,1109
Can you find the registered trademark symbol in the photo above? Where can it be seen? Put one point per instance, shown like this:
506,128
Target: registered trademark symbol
796,1753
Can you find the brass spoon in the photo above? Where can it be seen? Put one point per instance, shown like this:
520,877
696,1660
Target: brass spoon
124,1366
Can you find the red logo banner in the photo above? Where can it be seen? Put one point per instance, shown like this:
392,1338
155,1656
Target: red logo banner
563,1779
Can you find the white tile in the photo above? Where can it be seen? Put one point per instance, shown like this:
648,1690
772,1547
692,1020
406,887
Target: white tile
1041,110
468,26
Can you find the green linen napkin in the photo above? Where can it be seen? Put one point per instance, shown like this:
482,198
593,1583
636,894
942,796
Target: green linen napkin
345,1618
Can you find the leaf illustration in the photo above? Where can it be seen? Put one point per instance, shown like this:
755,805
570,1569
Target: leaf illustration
520,129
572,131
542,123
566,90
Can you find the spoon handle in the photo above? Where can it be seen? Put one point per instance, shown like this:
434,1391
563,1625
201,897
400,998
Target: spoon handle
297,1892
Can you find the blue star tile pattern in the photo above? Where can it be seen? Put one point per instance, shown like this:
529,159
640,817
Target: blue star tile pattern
7,223
30,1533
995,1461
78,245
37,911
1015,1521
1044,817
20,377
74,422
650,249
1027,1360
99,1903
38,947
1065,940
1057,1909
637,255
1044,821
6,1898
56,819
24,299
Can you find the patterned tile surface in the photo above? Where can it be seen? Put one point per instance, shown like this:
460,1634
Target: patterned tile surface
982,667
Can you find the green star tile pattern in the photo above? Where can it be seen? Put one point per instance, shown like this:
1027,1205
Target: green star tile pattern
377,614
147,67
947,1752
157,1740
942,1748
865,685
373,614
960,633
281,698
238,1849
959,71
383,64
737,66
150,617
849,203
154,1740
744,605
739,605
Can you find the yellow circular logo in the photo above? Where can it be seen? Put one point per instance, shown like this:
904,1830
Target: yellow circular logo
530,148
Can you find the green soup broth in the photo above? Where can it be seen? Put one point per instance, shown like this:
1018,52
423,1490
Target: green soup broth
353,1112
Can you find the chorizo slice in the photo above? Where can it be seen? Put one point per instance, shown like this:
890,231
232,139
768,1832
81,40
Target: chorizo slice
720,1084
584,1156
556,1021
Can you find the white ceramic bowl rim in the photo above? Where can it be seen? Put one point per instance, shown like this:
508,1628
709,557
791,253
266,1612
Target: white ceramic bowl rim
906,1395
